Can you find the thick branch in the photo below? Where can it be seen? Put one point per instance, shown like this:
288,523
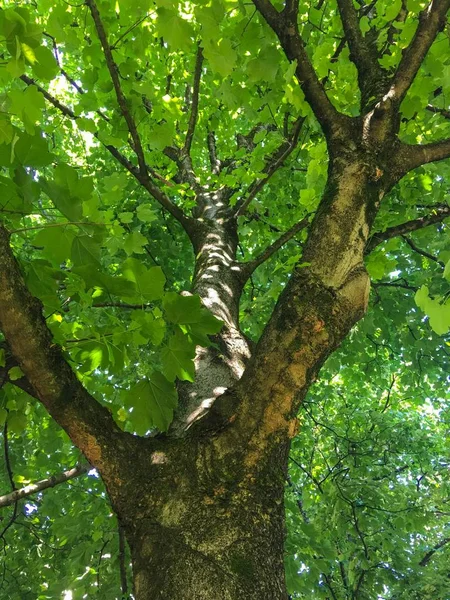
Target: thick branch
411,156
361,54
89,425
286,28
194,104
273,163
33,488
431,21
407,227
248,267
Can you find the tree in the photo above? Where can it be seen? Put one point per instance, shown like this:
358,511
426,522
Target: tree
156,157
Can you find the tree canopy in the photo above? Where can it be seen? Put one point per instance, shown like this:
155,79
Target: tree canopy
115,119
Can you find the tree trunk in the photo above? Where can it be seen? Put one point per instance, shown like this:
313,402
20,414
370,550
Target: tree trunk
200,523
204,515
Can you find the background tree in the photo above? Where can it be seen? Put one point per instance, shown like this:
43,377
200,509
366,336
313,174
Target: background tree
268,158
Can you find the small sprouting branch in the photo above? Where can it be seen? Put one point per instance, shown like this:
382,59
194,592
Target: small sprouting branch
394,284
398,230
274,162
248,267
195,101
439,111
34,488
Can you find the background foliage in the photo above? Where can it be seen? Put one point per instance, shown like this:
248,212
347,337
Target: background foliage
368,490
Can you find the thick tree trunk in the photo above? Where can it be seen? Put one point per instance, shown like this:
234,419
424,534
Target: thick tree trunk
202,525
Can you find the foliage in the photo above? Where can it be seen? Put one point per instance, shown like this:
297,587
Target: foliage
368,489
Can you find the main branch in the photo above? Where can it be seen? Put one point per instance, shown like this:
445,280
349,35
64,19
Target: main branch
286,28
431,21
89,425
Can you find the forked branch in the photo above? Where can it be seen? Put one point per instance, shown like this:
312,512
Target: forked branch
362,54
143,178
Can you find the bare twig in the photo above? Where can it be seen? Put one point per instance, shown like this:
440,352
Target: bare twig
429,555
414,247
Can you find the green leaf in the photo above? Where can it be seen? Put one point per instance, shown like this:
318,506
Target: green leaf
145,213
188,310
177,358
85,251
135,243
177,32
149,282
152,401
17,422
56,242
6,131
15,373
44,66
220,55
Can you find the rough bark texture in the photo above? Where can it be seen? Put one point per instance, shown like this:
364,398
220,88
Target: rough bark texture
202,506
